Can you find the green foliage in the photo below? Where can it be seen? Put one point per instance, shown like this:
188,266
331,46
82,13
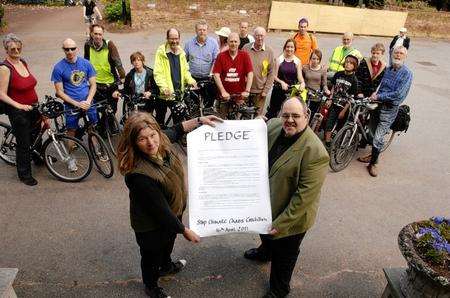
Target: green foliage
54,3
2,11
435,256
113,11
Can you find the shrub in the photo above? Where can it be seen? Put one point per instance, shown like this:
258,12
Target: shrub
113,11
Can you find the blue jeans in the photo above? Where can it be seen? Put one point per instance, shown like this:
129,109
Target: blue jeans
386,118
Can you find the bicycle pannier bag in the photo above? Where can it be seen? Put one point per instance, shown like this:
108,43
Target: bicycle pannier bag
401,122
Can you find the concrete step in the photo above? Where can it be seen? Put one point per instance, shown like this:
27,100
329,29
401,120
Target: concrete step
7,276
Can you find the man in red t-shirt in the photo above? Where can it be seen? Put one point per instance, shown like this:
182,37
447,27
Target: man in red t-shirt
233,74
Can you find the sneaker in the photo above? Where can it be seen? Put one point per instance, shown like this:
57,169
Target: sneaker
156,292
72,165
173,268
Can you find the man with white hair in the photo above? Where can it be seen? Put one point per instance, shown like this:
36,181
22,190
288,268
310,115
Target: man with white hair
263,61
393,90
337,58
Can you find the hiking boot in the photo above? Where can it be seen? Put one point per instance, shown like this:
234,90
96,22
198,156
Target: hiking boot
173,268
373,171
365,159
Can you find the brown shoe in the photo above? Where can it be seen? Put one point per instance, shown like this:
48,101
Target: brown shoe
373,171
365,159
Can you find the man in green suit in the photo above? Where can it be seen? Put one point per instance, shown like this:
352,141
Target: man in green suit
298,163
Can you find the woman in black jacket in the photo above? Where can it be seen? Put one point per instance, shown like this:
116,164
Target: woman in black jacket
140,82
155,178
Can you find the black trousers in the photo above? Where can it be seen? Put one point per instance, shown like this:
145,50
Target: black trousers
25,127
284,253
104,92
276,100
155,248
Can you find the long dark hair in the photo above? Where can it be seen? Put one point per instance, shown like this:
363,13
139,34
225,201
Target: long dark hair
128,153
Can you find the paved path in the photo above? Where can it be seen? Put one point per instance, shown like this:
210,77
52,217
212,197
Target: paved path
74,240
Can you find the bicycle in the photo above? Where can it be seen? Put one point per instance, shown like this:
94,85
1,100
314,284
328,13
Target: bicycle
355,132
244,111
198,104
97,146
55,151
110,126
132,104
320,117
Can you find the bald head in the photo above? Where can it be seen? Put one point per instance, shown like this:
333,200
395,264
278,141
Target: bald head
70,49
233,42
69,43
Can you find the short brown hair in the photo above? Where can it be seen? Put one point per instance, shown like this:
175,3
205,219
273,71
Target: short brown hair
378,47
137,55
91,28
128,152
288,41
318,53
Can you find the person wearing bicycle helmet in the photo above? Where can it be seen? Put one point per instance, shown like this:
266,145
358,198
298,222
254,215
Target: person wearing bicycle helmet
18,94
344,83
90,14
155,179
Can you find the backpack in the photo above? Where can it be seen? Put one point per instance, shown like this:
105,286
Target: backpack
401,122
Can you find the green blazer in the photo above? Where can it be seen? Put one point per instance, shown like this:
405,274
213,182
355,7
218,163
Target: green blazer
296,179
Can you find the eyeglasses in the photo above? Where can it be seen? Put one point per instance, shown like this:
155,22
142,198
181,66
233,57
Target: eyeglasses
286,116
69,49
15,49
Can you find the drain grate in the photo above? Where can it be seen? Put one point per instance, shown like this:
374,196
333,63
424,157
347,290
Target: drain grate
426,63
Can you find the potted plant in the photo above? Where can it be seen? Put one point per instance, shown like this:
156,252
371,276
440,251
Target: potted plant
426,248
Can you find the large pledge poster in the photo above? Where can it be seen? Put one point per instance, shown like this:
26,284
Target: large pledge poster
228,178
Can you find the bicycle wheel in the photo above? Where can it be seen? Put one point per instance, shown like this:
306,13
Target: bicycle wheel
67,158
7,144
388,138
343,148
100,155
113,131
